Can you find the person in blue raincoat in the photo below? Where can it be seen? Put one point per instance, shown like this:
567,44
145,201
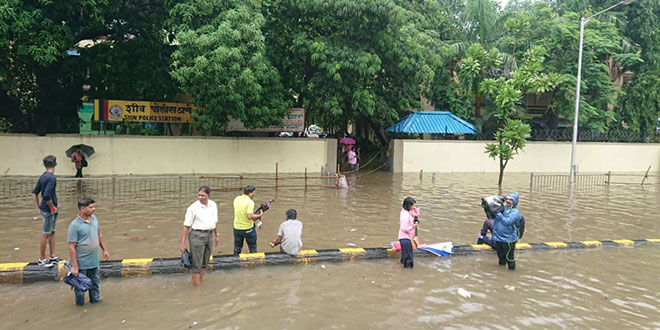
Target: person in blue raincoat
506,231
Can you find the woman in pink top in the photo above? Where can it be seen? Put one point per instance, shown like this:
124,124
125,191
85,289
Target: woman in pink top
407,228
352,159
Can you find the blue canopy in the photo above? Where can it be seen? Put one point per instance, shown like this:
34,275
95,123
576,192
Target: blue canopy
437,122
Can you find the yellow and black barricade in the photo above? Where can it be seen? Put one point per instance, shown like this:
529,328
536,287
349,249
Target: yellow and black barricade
24,272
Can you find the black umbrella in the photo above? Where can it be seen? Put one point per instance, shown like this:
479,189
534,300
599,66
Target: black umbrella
87,150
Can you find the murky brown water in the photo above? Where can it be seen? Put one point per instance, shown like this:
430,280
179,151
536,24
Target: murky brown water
599,288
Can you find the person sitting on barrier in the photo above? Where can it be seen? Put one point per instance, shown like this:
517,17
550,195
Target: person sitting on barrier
289,234
200,226
244,221
85,238
506,231
407,227
485,229
492,205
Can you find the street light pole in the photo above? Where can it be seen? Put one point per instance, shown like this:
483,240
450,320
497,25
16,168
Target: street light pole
584,22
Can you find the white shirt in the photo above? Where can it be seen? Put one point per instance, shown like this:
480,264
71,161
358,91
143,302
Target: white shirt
201,217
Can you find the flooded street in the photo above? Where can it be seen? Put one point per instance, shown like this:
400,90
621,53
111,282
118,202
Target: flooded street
599,288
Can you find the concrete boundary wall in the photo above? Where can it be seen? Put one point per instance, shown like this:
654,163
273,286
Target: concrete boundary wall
543,157
21,155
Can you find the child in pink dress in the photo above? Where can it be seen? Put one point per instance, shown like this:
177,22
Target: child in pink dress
407,227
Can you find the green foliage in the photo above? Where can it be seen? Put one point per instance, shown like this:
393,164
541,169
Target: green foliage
221,61
640,106
511,139
512,133
354,60
363,61
41,86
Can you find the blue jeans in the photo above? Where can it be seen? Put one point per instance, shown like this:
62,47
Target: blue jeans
94,274
50,219
250,236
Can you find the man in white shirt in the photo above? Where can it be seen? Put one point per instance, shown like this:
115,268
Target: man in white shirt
289,234
199,225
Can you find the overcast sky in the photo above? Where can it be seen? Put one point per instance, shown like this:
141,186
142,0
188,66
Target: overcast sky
503,3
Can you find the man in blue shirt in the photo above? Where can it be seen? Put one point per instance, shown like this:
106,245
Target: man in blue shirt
48,208
84,239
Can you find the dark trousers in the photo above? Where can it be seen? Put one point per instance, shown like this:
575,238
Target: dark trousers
505,253
406,253
249,235
79,173
94,274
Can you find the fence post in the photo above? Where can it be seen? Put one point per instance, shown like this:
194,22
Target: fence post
305,177
646,175
277,166
531,180
609,177
180,186
114,177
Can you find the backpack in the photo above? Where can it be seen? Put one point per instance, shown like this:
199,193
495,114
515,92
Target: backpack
521,227
83,162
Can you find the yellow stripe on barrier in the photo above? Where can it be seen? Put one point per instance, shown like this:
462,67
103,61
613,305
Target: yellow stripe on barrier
556,245
306,256
12,273
654,240
523,246
624,242
13,266
252,256
133,267
62,270
252,259
480,247
307,253
137,262
592,243
352,250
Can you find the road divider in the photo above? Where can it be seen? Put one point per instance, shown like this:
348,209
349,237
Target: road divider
24,272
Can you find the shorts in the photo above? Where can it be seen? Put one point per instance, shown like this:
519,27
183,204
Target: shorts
50,219
201,245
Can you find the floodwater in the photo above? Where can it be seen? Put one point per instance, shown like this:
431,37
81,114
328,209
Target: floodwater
562,289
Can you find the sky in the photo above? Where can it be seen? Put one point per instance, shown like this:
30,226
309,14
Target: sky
503,3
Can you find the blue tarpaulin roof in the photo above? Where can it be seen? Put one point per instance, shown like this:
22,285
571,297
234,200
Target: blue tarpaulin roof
437,122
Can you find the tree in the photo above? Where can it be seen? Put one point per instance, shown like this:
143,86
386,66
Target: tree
559,35
361,61
640,106
477,65
41,85
511,134
221,61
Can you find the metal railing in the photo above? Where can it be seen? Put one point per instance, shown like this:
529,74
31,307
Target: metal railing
117,186
153,187
560,182
592,136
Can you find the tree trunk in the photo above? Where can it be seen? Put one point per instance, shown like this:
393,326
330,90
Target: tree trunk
477,106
